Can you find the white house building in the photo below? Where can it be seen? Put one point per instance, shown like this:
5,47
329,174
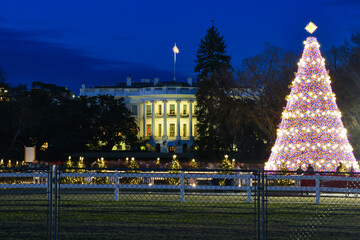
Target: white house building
164,111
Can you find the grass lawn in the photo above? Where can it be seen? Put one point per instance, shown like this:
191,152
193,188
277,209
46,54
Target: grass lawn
94,214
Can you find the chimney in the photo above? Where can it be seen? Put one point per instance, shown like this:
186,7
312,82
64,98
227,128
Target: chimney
190,81
156,81
128,81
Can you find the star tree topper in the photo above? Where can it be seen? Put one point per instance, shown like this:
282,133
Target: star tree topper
311,27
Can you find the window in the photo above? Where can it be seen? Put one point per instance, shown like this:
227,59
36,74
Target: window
184,130
171,149
172,129
148,130
160,109
148,110
184,109
172,109
159,129
134,109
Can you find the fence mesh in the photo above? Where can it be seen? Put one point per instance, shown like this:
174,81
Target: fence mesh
23,203
66,203
149,205
318,206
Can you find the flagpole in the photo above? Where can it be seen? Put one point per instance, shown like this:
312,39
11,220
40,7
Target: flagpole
174,65
176,51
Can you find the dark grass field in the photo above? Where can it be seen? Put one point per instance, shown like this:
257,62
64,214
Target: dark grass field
160,215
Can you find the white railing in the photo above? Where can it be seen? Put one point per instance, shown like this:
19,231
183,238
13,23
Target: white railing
243,182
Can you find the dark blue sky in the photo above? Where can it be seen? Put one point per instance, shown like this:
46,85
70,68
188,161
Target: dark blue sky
67,42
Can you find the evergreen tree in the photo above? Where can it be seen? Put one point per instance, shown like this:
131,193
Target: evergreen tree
133,165
311,130
1,164
226,165
214,81
193,164
68,165
80,169
100,164
174,167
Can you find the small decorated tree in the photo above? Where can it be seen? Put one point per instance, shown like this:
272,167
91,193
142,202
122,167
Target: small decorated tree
226,165
80,169
193,164
101,165
69,164
174,167
133,166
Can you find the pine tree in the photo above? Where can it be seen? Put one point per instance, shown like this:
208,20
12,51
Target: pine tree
68,165
174,167
133,165
80,169
214,81
100,163
226,165
311,131
2,165
193,164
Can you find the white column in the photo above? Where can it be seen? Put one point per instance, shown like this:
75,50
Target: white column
152,119
178,136
190,119
164,122
144,119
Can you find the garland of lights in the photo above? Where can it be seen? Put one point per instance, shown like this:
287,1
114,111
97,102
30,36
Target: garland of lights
311,130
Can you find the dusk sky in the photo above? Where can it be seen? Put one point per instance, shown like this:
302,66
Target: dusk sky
68,42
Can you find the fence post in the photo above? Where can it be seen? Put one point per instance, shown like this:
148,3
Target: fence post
317,188
50,202
48,182
248,186
116,185
182,187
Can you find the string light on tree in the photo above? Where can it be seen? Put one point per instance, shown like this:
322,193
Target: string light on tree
311,130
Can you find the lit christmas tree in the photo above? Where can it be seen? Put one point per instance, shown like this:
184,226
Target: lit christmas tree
311,130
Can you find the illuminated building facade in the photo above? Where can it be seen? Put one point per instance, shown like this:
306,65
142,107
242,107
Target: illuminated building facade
164,111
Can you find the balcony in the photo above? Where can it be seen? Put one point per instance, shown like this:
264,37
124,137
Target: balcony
184,114
172,114
159,114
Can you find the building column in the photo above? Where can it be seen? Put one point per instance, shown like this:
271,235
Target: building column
190,120
178,136
164,122
144,119
152,118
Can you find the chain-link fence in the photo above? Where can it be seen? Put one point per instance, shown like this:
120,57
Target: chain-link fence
24,204
312,206
155,204
70,203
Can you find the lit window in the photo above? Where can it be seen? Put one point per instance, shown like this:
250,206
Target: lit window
148,110
159,129
172,109
172,129
184,109
148,130
184,130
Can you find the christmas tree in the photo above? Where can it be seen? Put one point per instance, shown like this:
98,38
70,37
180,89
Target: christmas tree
174,167
311,131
